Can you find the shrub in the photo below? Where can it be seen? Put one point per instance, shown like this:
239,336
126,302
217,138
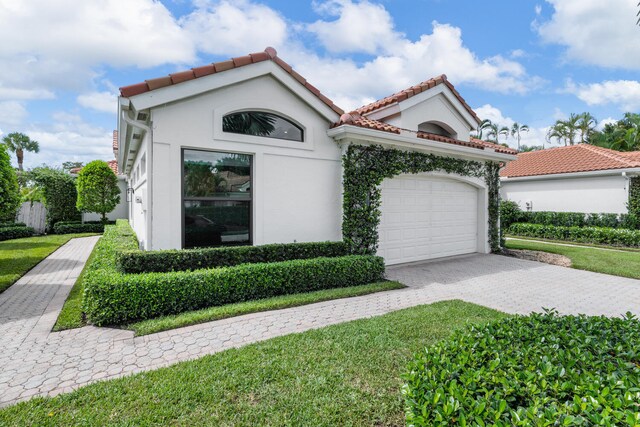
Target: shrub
601,235
510,212
97,187
193,259
540,370
12,224
9,191
59,190
7,233
111,297
78,227
578,219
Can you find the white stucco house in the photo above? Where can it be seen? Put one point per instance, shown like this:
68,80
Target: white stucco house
578,178
246,151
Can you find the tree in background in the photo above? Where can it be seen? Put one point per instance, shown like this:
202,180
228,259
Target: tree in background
9,193
68,166
587,125
486,123
59,193
528,148
495,130
19,143
623,135
97,188
516,130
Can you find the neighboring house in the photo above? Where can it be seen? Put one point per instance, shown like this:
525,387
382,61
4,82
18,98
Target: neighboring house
246,151
122,209
577,178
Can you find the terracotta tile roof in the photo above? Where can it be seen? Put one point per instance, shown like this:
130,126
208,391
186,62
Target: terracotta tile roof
574,158
113,164
499,148
414,90
269,54
356,119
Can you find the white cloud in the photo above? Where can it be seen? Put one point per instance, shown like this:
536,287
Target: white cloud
105,102
410,62
69,138
359,27
12,114
623,93
535,137
234,27
596,32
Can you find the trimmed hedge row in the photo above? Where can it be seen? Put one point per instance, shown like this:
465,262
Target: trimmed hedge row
111,297
193,259
537,370
7,233
59,228
599,235
12,224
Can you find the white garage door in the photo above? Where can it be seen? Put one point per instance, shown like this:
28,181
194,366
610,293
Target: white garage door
425,217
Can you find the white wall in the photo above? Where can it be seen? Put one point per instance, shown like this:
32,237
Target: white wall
120,212
587,194
296,186
137,180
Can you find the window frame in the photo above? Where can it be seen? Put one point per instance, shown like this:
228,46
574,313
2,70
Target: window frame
250,200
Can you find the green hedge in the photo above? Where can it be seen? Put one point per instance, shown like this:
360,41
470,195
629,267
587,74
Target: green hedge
538,370
7,233
598,235
12,224
77,227
193,259
111,297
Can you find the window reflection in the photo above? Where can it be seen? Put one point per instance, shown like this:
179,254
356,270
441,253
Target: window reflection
259,123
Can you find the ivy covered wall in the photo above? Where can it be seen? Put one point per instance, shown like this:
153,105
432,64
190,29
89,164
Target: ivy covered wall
633,204
365,167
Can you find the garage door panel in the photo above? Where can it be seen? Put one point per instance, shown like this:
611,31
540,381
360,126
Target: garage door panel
425,217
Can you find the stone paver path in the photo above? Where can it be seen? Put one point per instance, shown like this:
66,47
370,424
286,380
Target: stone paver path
35,362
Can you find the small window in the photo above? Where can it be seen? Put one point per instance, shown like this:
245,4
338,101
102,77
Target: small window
259,123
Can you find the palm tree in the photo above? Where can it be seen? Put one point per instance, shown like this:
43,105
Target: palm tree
587,124
516,129
558,131
486,124
19,143
495,130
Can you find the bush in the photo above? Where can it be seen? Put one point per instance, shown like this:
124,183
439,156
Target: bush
540,370
510,212
78,227
578,219
9,190
98,190
598,235
111,297
193,259
7,233
59,191
12,224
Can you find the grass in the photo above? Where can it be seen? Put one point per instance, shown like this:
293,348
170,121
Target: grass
599,260
342,375
164,323
18,256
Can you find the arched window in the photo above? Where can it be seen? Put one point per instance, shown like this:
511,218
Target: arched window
437,128
259,123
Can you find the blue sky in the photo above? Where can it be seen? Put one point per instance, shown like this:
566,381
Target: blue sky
527,61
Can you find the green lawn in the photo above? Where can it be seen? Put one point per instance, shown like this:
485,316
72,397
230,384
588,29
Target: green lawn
18,256
600,260
342,375
284,301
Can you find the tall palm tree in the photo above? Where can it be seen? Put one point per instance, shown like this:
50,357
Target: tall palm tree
19,143
516,129
558,131
495,130
587,124
486,124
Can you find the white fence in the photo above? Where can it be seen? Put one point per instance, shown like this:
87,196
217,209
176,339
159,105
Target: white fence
34,215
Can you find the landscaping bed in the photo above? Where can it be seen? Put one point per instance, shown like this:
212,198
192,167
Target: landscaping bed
539,256
15,231
115,298
597,235
67,227
342,375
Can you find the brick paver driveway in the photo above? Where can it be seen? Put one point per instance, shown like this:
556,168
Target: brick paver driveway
37,362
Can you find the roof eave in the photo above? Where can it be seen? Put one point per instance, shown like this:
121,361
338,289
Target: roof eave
566,175
393,140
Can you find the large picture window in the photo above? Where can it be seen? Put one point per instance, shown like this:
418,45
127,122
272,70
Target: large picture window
259,123
216,199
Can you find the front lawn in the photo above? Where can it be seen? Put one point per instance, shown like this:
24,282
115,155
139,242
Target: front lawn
599,260
18,256
347,374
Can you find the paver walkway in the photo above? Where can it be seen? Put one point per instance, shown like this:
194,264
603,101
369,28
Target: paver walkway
35,362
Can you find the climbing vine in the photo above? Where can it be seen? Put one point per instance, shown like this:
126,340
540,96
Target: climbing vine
365,167
633,204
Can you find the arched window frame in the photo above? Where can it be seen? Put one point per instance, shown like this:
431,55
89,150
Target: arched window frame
279,116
